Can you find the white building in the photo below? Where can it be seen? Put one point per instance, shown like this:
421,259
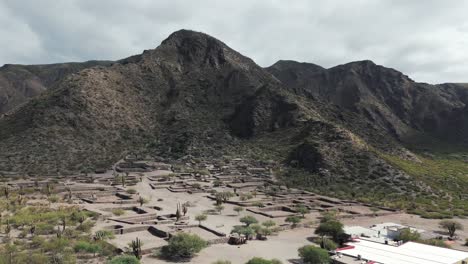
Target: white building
407,253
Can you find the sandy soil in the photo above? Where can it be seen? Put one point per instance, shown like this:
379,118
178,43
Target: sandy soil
148,240
283,247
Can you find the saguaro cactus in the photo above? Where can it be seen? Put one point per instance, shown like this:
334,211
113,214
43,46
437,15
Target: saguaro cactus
136,248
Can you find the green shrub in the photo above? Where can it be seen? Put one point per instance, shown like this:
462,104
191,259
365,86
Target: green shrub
183,246
104,234
118,212
248,220
45,229
53,198
434,242
125,259
408,235
294,220
314,255
85,227
258,260
86,247
247,231
329,245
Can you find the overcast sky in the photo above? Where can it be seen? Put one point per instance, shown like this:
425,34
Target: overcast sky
427,40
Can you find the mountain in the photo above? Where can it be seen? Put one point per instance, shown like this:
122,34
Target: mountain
18,83
185,89
385,97
344,131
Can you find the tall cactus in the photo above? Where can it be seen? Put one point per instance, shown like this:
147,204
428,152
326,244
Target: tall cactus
69,193
136,248
6,191
184,208
178,214
8,228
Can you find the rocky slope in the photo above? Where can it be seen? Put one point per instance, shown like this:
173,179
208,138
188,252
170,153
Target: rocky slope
402,108
183,93
337,130
18,83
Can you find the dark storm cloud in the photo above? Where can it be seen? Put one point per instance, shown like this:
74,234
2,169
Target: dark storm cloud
425,39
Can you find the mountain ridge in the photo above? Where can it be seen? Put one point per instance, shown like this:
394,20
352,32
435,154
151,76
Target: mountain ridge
342,129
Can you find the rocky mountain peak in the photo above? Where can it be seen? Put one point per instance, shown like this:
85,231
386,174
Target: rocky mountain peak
291,64
193,48
369,69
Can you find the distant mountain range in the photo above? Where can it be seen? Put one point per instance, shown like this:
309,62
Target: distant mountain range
354,125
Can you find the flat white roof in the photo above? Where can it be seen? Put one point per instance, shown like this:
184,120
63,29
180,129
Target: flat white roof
408,253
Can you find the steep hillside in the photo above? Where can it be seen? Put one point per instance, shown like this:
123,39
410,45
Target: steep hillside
391,113
18,83
174,97
387,98
342,131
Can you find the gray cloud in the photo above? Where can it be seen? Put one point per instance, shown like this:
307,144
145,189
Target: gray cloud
426,40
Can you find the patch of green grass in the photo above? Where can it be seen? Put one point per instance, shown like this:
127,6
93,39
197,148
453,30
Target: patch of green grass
440,172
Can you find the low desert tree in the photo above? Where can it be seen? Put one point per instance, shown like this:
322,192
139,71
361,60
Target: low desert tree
407,234
302,210
451,226
248,220
125,259
332,228
238,209
329,216
263,232
294,220
223,197
200,218
247,231
183,246
313,255
258,260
